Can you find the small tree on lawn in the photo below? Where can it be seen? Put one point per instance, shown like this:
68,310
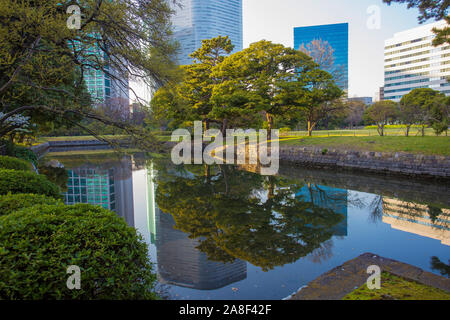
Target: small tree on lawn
418,105
382,113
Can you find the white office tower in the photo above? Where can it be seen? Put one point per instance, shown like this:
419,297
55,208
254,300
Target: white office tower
412,62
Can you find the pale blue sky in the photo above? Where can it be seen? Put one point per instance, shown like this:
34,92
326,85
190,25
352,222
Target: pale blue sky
274,20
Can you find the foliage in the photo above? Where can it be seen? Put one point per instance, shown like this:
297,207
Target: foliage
428,9
25,154
381,112
424,107
10,203
190,99
58,176
16,181
38,244
276,81
398,288
355,113
14,163
43,62
239,215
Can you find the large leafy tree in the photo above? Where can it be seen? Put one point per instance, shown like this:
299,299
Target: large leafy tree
431,9
43,62
190,98
274,80
381,113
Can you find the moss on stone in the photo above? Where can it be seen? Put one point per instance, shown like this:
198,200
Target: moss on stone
398,288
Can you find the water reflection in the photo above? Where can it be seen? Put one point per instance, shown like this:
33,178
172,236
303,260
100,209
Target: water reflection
425,220
267,221
212,226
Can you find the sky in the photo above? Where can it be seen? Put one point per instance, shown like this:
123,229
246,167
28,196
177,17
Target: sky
274,20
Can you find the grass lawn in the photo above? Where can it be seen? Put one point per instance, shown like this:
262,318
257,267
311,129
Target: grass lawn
427,145
397,288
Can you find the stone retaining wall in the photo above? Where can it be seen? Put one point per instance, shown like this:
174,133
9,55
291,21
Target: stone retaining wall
380,162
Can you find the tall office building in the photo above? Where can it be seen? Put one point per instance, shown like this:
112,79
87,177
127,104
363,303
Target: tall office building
337,37
100,85
199,20
412,62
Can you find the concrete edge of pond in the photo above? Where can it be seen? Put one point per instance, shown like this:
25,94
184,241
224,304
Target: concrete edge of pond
342,280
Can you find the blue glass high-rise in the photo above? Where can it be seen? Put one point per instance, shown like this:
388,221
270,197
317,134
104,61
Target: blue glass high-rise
337,37
199,20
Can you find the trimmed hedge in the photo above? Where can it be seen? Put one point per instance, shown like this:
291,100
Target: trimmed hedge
13,202
15,181
14,163
38,244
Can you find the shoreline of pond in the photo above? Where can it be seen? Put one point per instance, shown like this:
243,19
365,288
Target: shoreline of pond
382,163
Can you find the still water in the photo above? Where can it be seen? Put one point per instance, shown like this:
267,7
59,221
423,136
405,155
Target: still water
226,232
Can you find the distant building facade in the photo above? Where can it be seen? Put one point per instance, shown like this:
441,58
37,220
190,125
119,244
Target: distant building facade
412,62
199,20
337,37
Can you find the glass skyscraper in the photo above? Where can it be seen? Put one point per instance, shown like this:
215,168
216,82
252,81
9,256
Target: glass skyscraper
199,20
337,37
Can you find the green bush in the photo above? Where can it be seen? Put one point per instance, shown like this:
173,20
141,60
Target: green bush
58,176
14,163
38,244
285,129
15,181
13,202
24,153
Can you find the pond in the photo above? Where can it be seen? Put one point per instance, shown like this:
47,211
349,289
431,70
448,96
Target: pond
227,232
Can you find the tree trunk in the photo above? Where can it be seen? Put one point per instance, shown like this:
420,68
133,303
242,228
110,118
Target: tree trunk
310,128
269,125
423,131
381,130
205,125
224,127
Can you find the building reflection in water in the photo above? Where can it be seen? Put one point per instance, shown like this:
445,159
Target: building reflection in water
128,188
327,198
417,218
109,186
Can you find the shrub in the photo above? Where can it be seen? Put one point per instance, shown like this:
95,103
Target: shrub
38,244
58,176
14,163
285,130
25,154
15,181
13,202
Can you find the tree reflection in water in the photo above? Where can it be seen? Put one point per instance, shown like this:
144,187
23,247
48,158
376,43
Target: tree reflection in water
240,215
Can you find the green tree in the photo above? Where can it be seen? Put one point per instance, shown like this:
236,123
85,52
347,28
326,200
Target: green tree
381,113
426,107
43,62
190,98
274,80
429,9
439,118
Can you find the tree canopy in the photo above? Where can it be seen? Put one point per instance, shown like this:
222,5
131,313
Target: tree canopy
431,9
43,62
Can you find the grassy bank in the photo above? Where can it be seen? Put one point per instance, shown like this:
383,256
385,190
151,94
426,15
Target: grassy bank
418,145
397,288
